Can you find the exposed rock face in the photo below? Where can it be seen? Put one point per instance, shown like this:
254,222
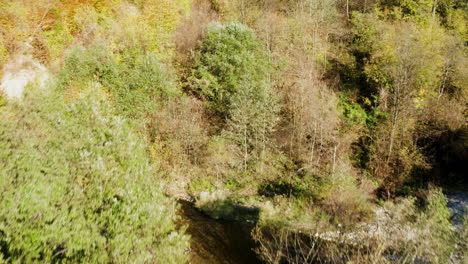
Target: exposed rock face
21,71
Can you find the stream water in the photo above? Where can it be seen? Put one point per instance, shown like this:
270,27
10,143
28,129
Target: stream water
458,207
217,241
229,242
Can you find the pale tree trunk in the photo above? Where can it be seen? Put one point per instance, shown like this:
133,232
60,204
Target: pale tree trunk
434,8
334,159
347,8
243,11
392,136
245,147
442,84
398,94
319,156
313,143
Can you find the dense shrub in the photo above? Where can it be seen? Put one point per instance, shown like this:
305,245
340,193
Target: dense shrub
76,186
232,71
229,58
135,80
154,25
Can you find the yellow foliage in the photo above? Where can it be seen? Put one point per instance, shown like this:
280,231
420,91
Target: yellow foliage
398,41
3,53
54,21
367,101
228,9
75,91
73,17
431,48
148,24
457,21
154,24
13,16
58,39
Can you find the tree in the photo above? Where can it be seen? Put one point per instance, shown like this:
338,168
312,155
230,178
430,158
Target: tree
232,72
76,186
253,116
408,67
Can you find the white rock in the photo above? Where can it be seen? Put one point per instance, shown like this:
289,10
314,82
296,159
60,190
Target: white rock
21,71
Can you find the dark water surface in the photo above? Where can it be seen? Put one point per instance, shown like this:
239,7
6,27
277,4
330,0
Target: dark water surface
217,241
229,242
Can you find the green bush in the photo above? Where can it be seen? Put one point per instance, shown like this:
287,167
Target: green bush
84,65
353,113
232,71
420,234
230,58
76,186
135,79
437,240
58,38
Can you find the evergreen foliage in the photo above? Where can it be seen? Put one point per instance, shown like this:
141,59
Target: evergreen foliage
76,186
232,71
229,59
136,80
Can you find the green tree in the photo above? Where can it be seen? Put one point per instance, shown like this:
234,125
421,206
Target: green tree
253,116
76,186
407,66
232,71
419,9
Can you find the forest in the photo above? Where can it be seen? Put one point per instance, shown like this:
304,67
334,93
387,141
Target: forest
337,129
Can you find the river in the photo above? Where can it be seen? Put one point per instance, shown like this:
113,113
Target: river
229,242
217,241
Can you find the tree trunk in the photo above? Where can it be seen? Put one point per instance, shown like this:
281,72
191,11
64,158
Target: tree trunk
347,8
395,117
434,8
245,147
334,159
442,84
